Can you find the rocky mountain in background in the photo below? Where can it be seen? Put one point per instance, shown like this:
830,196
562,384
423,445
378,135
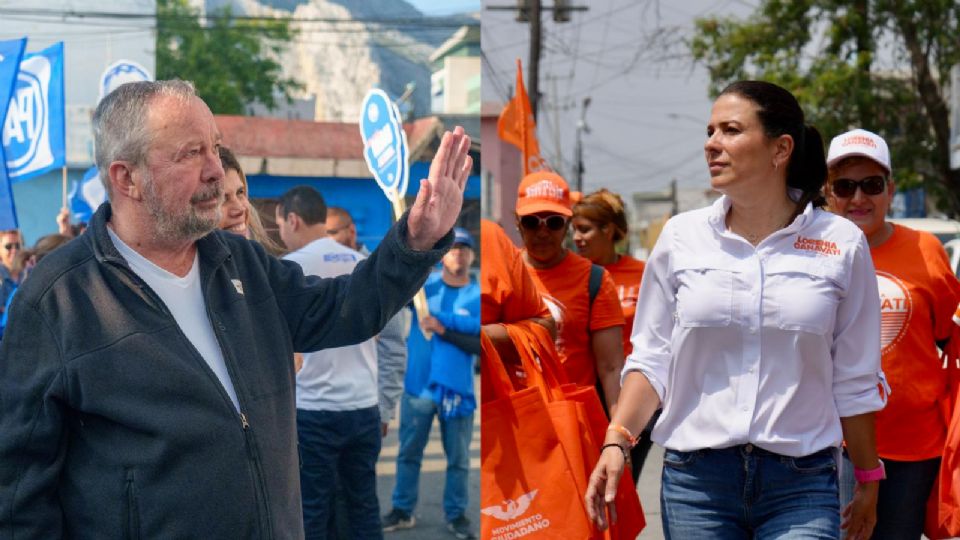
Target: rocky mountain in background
339,62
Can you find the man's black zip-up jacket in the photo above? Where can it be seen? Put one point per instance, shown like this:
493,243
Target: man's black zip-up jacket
113,426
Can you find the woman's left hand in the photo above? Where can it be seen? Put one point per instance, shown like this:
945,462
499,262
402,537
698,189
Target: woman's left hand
602,487
860,516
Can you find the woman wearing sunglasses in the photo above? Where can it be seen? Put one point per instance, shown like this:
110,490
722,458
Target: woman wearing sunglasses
919,294
589,339
756,329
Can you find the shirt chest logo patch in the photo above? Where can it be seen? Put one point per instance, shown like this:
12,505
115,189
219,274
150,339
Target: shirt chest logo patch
896,310
238,285
816,245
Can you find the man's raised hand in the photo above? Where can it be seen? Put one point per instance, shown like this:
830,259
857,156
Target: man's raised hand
440,197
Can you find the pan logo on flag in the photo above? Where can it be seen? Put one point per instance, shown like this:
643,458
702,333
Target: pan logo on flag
122,72
25,129
33,131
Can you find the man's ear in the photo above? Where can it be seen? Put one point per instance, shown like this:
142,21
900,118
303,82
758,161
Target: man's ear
293,221
122,181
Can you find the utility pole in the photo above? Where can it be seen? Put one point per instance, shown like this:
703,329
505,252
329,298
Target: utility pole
533,69
529,11
581,128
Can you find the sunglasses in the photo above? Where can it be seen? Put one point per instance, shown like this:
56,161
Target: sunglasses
554,222
14,245
871,185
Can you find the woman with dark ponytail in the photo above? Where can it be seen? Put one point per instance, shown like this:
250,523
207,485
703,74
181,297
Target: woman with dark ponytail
757,331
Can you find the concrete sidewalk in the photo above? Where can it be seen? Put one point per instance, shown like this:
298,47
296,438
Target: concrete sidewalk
430,523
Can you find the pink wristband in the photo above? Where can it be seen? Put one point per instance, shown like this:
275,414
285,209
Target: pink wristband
870,475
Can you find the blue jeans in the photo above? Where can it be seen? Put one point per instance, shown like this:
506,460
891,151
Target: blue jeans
902,501
416,418
344,444
744,492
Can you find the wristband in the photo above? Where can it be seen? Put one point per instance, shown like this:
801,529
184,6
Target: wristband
870,475
625,432
626,454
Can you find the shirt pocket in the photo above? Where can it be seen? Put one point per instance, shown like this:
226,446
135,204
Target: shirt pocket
802,295
704,293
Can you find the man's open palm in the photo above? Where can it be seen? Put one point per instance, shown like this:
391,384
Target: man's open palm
441,195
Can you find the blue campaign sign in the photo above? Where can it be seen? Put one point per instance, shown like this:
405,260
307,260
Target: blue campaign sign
11,52
33,132
404,158
384,142
86,195
121,72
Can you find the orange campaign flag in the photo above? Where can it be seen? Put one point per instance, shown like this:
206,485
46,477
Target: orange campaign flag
517,127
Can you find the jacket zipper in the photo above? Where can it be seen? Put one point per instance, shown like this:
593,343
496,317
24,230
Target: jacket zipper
257,472
262,500
255,465
133,509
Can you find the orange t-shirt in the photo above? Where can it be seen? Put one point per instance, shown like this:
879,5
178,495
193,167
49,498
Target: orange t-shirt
626,274
507,293
565,287
918,297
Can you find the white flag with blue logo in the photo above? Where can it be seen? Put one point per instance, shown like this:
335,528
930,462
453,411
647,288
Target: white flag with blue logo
86,195
10,54
33,133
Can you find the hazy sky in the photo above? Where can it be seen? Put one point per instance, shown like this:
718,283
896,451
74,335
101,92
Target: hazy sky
438,8
648,113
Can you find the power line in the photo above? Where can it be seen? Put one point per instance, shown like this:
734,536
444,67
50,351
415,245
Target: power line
498,85
435,22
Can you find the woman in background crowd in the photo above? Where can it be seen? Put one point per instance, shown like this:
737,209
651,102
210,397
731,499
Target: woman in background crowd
599,224
238,215
756,330
919,294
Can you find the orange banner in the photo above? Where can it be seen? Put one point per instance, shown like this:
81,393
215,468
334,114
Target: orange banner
517,127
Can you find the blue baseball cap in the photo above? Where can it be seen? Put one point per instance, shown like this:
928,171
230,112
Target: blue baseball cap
461,236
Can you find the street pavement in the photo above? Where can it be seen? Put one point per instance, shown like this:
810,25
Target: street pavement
649,490
430,523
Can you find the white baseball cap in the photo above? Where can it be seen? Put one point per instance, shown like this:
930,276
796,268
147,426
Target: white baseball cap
859,142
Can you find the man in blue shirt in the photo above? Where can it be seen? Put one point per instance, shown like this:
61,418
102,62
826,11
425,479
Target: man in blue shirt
10,244
439,382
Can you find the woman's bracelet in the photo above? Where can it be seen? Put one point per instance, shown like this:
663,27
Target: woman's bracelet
623,450
631,440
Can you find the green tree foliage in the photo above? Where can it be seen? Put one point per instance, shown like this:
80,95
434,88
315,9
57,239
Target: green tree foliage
231,61
882,65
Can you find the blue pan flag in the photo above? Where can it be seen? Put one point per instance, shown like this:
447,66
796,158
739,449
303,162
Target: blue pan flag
33,134
11,52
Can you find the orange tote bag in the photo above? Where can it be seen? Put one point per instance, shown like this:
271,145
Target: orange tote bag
527,484
581,422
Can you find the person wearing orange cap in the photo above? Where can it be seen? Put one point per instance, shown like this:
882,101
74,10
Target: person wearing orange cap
589,331
507,292
919,293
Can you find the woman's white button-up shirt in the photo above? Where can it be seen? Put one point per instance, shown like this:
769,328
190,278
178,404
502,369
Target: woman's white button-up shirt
769,345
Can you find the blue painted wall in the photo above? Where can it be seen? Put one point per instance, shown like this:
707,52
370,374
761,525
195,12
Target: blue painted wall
362,197
38,200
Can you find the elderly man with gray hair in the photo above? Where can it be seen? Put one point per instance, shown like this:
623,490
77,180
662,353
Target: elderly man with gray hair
146,377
